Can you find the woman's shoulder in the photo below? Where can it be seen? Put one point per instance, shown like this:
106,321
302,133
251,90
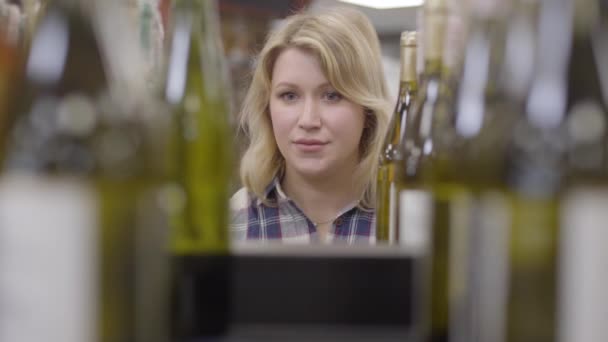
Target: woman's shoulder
244,205
239,216
240,200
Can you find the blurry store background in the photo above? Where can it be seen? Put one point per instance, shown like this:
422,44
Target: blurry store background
245,24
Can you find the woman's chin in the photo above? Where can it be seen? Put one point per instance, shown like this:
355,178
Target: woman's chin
313,170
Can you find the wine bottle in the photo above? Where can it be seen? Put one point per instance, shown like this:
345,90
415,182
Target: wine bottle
83,173
583,275
457,155
415,147
484,110
487,105
535,179
202,154
443,171
387,200
418,206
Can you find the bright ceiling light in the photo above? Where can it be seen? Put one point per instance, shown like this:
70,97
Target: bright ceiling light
385,4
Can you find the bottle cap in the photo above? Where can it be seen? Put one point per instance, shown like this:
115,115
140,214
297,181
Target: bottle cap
434,5
409,38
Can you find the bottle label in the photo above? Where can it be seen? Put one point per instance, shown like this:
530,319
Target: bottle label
47,260
460,212
415,219
489,265
584,266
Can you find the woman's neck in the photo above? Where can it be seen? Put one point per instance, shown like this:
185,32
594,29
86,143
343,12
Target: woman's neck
321,199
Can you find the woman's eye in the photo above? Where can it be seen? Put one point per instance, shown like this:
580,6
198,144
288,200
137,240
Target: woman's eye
332,96
288,96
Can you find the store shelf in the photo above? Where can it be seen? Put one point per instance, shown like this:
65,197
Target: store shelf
320,293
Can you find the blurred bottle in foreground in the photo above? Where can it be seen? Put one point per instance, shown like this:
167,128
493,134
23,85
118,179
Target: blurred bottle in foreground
417,207
486,109
196,86
535,175
81,195
583,254
386,215
550,261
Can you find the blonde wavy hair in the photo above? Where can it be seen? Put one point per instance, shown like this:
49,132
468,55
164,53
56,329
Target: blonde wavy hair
347,46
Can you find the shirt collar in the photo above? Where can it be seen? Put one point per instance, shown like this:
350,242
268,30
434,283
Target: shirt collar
275,191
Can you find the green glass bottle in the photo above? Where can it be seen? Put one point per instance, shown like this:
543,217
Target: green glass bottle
416,145
418,206
196,86
535,177
84,167
391,156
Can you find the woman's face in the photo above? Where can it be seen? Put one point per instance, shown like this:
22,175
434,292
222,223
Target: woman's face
316,129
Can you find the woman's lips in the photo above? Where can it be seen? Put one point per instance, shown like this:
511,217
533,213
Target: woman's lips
309,145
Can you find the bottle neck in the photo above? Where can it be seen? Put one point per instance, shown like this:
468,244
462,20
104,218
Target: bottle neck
584,56
189,4
408,63
586,16
202,14
583,70
455,40
554,28
197,21
434,40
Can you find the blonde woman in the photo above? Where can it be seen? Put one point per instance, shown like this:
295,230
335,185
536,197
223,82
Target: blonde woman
315,115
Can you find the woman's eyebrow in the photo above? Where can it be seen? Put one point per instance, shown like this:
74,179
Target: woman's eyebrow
284,84
293,85
325,85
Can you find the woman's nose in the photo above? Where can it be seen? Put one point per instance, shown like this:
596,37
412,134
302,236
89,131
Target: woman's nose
309,116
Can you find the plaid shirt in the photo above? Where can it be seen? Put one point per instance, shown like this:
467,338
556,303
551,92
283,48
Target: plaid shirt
254,220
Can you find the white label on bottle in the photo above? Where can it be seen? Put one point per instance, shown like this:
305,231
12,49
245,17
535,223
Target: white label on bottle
461,211
415,219
152,299
392,214
584,262
47,260
490,266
